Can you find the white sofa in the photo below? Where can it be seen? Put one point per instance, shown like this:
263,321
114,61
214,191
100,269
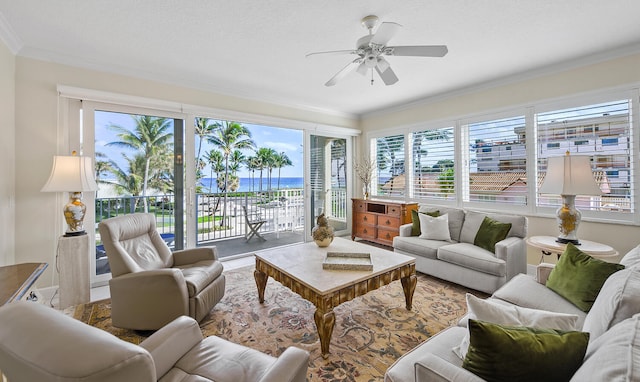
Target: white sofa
459,260
613,324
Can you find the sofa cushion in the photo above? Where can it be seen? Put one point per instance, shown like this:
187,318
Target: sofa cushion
510,353
578,277
497,313
456,218
434,228
618,300
473,220
614,356
632,258
472,257
415,220
490,232
418,247
440,345
537,296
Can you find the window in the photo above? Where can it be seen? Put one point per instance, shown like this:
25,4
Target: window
497,162
554,145
390,171
433,163
612,121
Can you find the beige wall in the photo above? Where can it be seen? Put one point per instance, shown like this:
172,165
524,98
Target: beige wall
38,220
7,155
623,71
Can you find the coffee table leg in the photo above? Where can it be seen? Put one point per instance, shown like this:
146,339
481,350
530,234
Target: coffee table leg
261,283
325,322
409,286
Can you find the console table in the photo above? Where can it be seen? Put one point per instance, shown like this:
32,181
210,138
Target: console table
379,220
17,280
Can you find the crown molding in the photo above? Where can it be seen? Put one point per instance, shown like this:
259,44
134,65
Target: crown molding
9,36
595,58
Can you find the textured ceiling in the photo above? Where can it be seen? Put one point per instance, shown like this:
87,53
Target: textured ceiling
257,49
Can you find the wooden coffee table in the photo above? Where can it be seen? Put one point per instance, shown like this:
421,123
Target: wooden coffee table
299,268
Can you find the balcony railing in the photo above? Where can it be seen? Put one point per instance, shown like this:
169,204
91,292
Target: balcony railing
282,210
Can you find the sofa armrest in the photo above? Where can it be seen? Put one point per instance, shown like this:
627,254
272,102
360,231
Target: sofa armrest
193,255
291,366
434,369
405,230
543,270
172,342
513,251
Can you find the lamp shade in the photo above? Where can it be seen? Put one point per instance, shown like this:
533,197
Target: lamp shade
71,173
569,175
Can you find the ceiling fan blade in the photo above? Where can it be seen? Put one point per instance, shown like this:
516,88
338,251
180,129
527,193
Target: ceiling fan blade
382,64
362,69
343,72
388,76
348,51
417,50
385,32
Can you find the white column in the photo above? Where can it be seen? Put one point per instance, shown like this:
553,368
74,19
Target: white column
73,264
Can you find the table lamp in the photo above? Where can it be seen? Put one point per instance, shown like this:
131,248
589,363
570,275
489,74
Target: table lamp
73,174
569,176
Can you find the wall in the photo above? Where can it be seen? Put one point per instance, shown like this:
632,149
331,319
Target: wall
39,220
622,71
7,155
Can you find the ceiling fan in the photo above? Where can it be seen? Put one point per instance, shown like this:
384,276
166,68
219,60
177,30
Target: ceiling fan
372,48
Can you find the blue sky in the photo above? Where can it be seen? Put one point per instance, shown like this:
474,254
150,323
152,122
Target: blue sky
288,141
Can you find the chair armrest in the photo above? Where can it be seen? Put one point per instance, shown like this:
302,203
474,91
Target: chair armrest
291,366
434,369
172,342
513,251
543,270
405,230
193,255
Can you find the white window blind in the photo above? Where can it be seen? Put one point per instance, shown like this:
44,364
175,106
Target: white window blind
390,172
497,161
601,131
432,153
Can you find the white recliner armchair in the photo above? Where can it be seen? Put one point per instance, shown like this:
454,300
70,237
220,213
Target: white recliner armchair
152,285
38,343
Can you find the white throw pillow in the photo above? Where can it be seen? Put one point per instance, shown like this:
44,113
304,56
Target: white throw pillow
632,258
434,228
486,310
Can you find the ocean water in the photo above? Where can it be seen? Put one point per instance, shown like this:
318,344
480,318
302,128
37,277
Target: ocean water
246,183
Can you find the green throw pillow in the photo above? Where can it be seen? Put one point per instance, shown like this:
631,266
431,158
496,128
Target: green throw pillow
490,232
516,353
578,277
415,221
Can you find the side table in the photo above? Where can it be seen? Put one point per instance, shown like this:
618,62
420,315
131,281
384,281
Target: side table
548,245
17,280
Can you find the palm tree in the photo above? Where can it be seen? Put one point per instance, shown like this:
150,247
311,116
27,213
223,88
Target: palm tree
204,128
252,164
214,158
150,136
102,167
279,161
228,137
339,153
264,156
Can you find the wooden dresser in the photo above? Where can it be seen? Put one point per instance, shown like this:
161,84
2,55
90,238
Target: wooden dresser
379,220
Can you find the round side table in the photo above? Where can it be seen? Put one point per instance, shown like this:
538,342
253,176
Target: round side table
548,245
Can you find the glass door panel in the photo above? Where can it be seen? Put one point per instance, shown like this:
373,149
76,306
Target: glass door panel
139,168
328,181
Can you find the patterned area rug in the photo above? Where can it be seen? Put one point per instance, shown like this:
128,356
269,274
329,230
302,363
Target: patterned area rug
370,333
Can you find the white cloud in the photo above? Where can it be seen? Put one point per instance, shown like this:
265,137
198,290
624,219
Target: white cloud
281,146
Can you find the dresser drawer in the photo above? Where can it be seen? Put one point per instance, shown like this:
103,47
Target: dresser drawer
388,222
386,235
366,232
359,206
394,210
362,218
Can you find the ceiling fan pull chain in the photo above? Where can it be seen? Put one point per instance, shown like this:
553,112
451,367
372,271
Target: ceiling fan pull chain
371,77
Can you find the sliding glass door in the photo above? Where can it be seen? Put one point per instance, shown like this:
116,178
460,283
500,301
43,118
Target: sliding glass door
329,181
